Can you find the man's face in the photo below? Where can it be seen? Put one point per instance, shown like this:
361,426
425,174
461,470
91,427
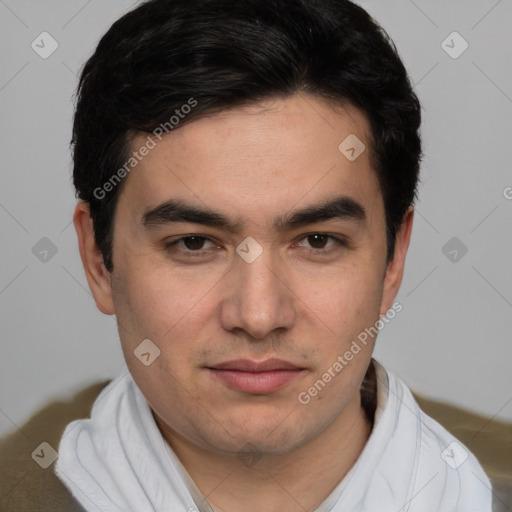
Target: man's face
212,310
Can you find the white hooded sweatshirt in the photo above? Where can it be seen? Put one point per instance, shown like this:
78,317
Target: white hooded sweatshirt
118,461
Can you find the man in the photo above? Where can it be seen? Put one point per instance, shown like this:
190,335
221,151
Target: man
246,173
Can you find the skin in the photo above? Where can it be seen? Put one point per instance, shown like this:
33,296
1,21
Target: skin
297,301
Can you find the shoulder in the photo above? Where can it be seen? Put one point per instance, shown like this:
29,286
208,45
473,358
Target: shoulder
448,464
489,439
444,474
26,484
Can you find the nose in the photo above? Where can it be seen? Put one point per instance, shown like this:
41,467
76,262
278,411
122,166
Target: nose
257,298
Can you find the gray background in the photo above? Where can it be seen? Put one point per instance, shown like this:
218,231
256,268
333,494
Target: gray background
452,340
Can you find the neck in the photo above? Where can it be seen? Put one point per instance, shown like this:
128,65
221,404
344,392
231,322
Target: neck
295,481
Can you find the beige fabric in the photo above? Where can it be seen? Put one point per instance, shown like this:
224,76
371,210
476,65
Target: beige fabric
24,485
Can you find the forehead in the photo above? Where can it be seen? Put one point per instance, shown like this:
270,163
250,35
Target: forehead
258,159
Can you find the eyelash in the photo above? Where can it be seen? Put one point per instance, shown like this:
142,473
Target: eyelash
339,242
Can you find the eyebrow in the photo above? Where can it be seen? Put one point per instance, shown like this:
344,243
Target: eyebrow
173,211
342,208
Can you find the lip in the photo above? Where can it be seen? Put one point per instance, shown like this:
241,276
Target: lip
255,377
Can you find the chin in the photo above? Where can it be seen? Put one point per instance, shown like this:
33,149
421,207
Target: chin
278,436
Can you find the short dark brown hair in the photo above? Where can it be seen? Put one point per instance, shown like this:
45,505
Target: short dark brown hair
227,53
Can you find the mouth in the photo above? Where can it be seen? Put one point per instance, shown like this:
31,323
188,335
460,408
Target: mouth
255,377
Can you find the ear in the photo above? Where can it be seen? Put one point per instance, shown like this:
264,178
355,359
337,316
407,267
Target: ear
395,268
92,259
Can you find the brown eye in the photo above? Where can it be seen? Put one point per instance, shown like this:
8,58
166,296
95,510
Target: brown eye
193,243
322,244
318,241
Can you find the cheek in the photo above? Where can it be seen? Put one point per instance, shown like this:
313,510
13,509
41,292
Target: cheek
345,302
155,309
170,311
158,300
345,311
